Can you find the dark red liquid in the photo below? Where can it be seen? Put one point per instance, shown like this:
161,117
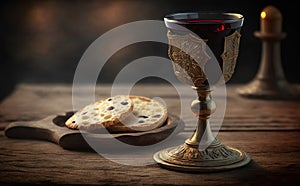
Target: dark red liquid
202,20
213,25
212,30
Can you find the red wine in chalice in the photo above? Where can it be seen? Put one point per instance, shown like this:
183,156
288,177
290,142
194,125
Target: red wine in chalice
213,27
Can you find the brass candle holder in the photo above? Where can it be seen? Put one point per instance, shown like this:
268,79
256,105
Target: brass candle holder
221,33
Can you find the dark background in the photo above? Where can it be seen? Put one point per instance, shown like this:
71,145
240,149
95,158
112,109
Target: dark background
43,41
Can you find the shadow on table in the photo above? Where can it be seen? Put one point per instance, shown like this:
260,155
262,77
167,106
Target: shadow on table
251,174
254,174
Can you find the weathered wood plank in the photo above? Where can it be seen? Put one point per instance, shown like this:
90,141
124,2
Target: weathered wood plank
36,102
275,160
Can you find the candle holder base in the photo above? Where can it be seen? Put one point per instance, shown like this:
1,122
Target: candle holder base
261,89
187,158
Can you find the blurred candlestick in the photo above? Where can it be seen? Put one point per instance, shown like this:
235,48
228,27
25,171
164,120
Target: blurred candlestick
270,21
270,82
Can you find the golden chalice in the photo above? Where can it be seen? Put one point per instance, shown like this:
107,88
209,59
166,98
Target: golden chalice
190,34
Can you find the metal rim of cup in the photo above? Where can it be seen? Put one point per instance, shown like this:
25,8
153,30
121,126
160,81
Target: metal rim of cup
177,18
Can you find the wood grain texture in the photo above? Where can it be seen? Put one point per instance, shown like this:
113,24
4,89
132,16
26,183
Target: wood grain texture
28,161
267,130
36,102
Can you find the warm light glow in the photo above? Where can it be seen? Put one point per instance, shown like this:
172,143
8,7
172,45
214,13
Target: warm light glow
110,14
263,15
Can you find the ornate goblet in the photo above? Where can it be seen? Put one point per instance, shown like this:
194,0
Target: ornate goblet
221,33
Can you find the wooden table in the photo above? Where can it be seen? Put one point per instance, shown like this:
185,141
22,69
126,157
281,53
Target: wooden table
269,131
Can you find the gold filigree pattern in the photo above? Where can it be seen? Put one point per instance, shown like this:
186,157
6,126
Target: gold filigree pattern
230,54
189,57
186,152
191,156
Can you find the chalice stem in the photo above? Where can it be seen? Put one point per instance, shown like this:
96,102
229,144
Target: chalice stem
202,135
203,108
195,139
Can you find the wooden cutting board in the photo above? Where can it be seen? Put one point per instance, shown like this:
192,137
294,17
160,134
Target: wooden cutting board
53,129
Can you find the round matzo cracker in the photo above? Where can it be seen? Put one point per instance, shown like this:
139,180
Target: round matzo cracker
147,114
105,112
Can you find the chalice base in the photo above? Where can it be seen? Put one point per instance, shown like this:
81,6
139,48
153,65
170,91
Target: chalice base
263,89
216,157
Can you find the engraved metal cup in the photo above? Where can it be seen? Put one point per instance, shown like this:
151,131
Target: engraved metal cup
220,32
